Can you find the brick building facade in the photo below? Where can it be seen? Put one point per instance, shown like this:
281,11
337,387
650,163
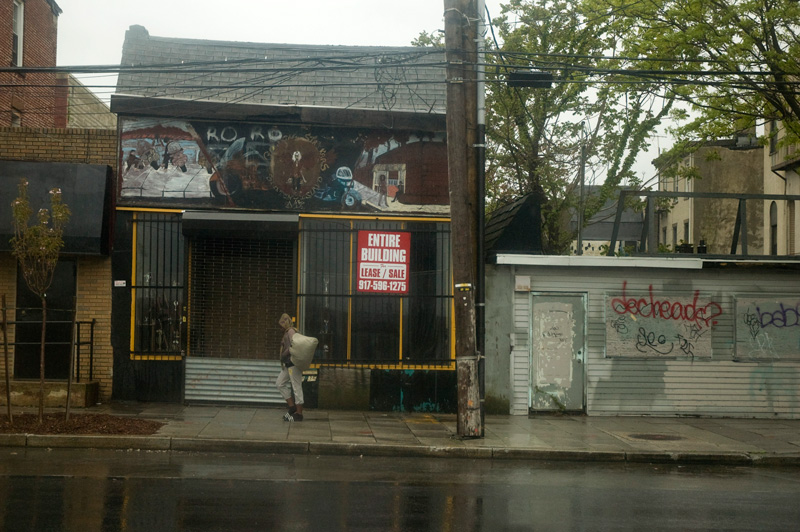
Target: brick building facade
84,147
29,98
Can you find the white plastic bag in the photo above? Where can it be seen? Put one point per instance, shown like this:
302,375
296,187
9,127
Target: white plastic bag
302,350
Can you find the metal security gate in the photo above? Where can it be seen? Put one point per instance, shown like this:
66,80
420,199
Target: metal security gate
243,381
238,290
558,323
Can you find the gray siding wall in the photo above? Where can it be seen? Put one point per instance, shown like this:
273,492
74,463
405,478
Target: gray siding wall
702,385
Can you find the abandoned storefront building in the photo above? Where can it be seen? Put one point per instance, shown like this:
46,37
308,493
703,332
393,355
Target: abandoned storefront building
258,179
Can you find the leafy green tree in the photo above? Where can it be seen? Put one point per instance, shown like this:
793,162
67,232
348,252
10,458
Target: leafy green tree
37,248
535,135
734,63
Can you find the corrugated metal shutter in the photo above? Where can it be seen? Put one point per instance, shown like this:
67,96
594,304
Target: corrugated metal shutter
715,386
520,354
229,380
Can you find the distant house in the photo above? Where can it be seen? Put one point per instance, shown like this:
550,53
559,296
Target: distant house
596,235
727,166
81,108
781,176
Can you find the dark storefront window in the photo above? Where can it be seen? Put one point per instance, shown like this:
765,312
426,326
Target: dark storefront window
157,286
412,329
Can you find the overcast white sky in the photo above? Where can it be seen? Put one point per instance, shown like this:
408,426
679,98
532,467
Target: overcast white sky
91,32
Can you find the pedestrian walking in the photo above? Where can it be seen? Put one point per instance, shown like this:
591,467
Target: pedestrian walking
290,379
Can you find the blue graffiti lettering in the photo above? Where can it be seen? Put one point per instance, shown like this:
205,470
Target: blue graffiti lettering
780,319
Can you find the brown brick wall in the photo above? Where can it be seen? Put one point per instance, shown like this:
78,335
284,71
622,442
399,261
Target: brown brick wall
94,303
32,94
82,146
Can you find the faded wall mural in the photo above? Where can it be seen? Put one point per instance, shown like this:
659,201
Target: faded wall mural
263,166
653,324
768,328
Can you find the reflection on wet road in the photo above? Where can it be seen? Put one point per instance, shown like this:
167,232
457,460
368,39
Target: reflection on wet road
120,490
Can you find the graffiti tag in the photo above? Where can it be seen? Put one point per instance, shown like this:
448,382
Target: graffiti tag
619,325
647,340
780,319
665,309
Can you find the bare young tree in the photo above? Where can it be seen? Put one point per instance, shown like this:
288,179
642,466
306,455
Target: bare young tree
37,248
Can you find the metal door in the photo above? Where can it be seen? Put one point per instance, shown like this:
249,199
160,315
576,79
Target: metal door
558,324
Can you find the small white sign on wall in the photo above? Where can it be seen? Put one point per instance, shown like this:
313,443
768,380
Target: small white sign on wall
522,283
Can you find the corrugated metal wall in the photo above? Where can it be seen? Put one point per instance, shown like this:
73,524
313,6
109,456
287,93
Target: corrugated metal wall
230,380
704,386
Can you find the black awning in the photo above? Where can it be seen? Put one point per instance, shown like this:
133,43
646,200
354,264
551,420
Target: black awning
86,190
250,226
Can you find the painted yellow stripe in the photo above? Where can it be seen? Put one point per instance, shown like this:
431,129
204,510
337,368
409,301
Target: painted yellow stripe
134,236
350,298
188,266
156,357
447,367
144,209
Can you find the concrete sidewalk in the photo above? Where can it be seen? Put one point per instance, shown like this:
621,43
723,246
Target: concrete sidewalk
580,438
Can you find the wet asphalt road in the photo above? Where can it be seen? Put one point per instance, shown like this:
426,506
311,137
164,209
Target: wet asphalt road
93,490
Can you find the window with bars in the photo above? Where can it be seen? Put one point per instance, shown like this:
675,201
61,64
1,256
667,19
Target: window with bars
376,328
157,286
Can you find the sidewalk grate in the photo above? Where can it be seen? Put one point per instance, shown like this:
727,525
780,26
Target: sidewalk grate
657,437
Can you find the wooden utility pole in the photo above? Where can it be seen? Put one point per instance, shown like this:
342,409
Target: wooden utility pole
459,18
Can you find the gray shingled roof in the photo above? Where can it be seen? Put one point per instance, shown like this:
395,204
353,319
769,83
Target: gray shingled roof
349,77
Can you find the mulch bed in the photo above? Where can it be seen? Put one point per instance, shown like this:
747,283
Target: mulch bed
54,423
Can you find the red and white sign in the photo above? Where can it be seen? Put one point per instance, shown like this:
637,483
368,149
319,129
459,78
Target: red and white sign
383,261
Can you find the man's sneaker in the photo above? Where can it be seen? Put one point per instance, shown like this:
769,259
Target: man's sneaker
297,417
292,409
289,417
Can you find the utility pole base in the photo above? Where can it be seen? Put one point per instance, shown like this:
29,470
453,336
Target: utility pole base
469,400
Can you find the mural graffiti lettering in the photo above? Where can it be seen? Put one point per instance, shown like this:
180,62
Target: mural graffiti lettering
281,167
649,324
767,329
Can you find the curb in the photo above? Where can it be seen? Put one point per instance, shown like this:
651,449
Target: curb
147,443
12,440
162,443
560,456
238,446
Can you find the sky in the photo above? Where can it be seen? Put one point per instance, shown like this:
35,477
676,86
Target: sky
91,32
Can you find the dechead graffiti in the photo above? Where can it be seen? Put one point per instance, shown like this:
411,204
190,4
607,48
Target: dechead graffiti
768,328
280,167
648,324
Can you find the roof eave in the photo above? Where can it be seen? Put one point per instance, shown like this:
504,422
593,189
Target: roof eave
133,105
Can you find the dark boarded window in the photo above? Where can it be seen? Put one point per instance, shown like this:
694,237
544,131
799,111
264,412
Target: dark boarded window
376,329
158,284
